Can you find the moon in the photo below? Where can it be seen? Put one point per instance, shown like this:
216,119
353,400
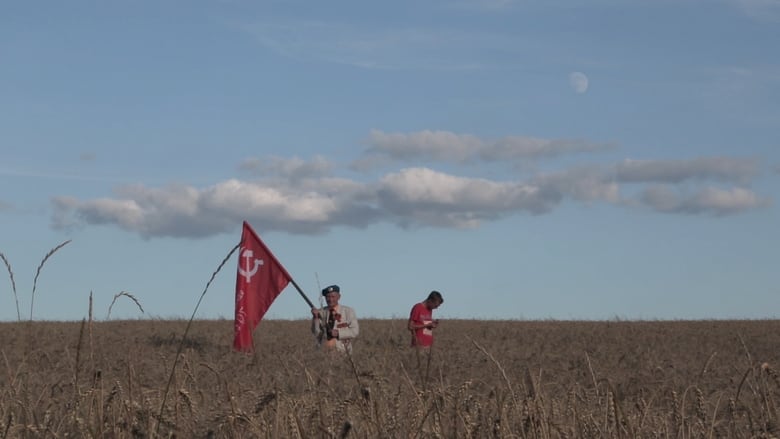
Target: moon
578,82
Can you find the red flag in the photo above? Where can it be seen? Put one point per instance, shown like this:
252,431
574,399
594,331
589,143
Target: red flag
259,281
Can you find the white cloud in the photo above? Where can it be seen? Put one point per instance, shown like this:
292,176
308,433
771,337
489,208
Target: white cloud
278,204
183,211
446,146
586,184
5,207
709,200
299,196
428,197
579,82
519,148
761,10
436,145
293,168
726,169
723,201
125,213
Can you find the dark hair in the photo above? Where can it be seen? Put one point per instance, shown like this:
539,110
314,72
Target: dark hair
435,295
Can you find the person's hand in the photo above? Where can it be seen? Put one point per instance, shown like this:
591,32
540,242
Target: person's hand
335,333
315,313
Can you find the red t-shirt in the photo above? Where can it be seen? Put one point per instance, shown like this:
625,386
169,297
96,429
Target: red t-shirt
421,315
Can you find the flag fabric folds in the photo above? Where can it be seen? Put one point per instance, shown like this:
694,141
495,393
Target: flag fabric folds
260,279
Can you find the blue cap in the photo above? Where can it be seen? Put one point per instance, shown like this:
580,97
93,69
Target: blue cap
331,289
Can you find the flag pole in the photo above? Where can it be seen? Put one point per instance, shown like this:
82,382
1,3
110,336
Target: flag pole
306,298
300,291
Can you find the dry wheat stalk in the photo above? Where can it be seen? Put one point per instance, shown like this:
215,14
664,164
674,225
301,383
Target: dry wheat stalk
185,397
187,330
78,357
683,415
676,417
264,401
592,374
125,294
116,390
714,417
38,272
610,420
8,424
91,358
12,377
744,377
13,284
394,412
772,373
706,365
292,425
700,411
466,417
747,351
530,386
498,365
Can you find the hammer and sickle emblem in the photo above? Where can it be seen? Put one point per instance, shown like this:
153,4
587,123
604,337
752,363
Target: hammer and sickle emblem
248,272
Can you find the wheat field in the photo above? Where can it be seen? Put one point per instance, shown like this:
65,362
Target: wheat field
504,379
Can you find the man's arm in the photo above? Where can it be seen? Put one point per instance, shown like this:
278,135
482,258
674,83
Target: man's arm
414,319
415,322
316,327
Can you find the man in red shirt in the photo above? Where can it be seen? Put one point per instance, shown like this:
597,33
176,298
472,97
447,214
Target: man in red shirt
421,322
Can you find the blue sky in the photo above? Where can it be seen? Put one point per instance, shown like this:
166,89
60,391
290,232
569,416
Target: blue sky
528,159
